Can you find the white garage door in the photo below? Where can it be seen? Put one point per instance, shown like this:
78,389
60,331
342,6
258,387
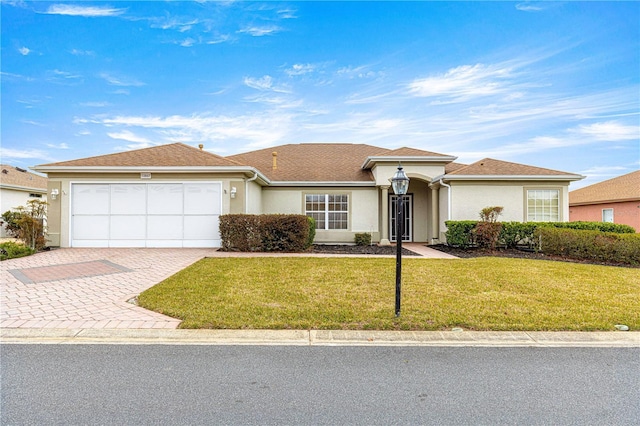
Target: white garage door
146,214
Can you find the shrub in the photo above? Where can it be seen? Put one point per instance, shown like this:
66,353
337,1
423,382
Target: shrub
459,233
592,245
312,232
11,250
274,232
363,239
488,229
27,223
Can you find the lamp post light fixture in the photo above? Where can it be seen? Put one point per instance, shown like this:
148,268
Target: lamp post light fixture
400,184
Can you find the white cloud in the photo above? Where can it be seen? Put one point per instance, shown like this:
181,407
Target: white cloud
529,7
86,11
300,69
609,131
362,71
24,51
257,31
95,104
79,52
120,81
188,42
59,146
8,153
128,136
462,82
265,83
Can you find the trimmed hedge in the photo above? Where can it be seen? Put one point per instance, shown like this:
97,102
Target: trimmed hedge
269,232
462,233
587,244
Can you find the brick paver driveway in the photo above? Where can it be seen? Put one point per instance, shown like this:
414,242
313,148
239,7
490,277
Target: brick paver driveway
87,288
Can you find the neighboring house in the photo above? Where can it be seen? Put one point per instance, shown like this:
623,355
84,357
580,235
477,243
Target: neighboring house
172,195
615,200
17,186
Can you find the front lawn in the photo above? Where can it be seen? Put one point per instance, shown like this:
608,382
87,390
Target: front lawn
359,293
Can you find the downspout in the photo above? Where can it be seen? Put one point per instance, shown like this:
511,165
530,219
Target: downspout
246,190
448,198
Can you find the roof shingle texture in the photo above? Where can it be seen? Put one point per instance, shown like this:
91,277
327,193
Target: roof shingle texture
9,175
492,167
171,155
621,188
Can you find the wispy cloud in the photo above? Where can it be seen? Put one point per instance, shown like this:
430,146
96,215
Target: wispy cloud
609,131
530,6
58,146
120,80
463,82
300,69
260,31
24,51
265,83
24,154
128,136
95,104
80,52
85,11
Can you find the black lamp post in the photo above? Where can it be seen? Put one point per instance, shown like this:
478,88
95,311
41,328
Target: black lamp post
400,184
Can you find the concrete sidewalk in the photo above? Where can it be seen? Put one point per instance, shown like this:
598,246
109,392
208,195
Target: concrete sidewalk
320,338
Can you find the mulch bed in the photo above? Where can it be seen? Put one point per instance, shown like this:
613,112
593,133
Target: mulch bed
353,249
458,252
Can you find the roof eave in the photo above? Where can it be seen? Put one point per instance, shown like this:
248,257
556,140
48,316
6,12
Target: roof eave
153,169
370,161
323,183
588,203
570,178
23,188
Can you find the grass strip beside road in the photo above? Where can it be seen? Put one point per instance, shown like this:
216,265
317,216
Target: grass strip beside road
359,293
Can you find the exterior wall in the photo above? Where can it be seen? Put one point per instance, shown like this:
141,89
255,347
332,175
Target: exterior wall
626,213
363,210
421,209
253,203
425,171
59,211
12,198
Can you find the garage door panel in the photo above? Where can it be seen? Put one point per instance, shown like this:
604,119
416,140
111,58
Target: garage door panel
164,227
165,198
128,199
201,199
91,228
200,227
127,227
90,199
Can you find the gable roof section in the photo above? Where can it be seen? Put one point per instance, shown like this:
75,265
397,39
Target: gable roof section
171,155
491,169
619,189
406,155
311,162
21,179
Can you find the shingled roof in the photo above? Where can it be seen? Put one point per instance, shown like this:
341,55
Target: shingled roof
619,189
171,155
17,178
492,167
312,162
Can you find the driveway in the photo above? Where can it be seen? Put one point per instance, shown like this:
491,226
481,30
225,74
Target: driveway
87,288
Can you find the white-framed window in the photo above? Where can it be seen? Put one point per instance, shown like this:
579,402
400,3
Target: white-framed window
607,215
543,205
331,211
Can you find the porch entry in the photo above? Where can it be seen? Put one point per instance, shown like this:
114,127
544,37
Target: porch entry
407,216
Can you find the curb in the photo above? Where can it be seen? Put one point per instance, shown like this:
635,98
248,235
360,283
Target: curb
321,338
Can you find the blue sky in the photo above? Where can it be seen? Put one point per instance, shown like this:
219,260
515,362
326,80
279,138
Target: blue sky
550,84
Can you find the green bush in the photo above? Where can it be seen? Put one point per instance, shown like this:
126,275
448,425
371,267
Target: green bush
11,250
276,232
591,245
459,233
312,232
363,239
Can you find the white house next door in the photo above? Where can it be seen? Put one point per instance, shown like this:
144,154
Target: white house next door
183,214
407,216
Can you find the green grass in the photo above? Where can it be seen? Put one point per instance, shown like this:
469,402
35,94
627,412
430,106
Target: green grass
359,293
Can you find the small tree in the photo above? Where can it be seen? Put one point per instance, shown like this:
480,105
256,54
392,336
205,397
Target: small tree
488,230
27,223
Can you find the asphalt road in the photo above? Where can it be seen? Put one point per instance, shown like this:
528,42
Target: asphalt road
269,385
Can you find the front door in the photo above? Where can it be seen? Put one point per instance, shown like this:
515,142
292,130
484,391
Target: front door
407,209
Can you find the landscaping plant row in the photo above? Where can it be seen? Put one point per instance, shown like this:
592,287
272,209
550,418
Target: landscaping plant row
607,242
267,232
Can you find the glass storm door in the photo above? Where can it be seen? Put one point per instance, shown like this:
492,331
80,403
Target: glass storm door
407,208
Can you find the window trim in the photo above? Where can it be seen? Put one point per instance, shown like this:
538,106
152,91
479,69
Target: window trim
326,194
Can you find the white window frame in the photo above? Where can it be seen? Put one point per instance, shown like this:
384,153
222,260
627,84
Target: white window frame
543,208
611,215
327,213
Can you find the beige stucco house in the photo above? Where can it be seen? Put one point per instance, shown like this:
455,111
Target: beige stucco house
17,187
172,195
